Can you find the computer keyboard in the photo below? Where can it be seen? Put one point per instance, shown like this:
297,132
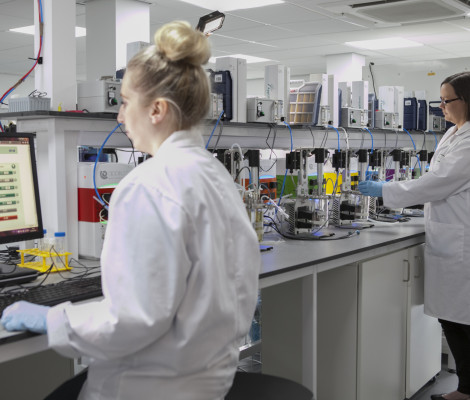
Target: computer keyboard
75,289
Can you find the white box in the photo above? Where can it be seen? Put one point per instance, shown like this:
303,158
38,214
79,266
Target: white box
237,68
333,100
386,120
391,99
387,98
276,83
400,104
264,110
345,88
99,96
351,117
360,95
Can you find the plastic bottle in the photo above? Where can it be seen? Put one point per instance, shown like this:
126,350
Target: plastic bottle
59,247
59,242
42,241
42,245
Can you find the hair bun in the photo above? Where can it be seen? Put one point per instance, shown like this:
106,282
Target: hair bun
178,41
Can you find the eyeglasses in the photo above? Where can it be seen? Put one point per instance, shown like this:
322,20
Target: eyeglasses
445,102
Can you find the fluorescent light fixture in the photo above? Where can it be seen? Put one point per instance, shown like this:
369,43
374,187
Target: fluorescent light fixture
383,44
210,22
29,30
230,5
249,59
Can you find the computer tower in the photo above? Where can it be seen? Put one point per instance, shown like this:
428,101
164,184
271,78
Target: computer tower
238,71
422,115
410,113
221,83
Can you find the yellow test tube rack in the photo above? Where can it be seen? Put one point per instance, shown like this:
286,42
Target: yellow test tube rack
45,259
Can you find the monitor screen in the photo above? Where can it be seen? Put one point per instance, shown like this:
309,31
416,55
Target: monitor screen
20,209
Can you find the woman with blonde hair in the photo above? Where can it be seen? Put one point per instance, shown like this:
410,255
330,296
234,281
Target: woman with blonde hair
180,261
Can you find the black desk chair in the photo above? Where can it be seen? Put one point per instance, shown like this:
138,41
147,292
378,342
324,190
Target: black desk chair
256,386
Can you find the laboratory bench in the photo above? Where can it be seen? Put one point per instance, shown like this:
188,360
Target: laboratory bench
343,317
58,135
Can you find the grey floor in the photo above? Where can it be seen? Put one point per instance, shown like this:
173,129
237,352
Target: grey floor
445,382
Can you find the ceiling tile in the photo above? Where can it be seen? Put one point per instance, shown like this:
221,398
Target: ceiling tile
278,14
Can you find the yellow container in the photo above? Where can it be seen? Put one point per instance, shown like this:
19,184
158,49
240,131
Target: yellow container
58,261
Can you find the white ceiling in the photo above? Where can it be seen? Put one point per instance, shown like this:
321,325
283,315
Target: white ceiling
299,34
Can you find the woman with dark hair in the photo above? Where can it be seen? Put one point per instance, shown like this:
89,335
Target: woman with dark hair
445,192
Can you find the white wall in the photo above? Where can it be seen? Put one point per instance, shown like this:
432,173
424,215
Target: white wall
422,76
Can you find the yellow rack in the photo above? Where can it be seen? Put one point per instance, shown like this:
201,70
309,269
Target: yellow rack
60,260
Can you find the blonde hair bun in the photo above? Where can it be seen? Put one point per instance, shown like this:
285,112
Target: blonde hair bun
178,41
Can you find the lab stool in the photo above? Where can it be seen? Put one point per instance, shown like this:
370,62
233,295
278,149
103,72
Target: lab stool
256,386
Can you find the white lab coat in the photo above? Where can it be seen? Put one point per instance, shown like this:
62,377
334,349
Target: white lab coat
445,190
180,266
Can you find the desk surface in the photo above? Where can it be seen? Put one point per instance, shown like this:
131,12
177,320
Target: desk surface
299,256
290,255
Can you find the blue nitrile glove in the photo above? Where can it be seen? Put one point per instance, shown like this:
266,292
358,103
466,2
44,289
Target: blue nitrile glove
23,315
371,188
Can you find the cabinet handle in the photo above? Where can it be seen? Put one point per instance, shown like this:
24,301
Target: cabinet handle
418,263
406,271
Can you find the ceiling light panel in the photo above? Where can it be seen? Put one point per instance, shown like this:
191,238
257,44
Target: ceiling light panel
230,5
30,30
279,14
444,38
383,44
249,59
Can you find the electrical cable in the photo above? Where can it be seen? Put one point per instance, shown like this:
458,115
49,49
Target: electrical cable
291,137
240,170
313,137
311,236
22,79
331,126
424,141
270,148
414,146
346,138
132,145
372,76
221,128
371,138
99,199
215,126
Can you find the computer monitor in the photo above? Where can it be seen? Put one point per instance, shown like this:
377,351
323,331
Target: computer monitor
20,209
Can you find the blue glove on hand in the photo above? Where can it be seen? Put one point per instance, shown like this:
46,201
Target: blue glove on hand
371,188
22,316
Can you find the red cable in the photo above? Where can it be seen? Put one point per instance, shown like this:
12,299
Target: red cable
37,58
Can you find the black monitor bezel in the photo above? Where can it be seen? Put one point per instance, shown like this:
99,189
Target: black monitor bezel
12,238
